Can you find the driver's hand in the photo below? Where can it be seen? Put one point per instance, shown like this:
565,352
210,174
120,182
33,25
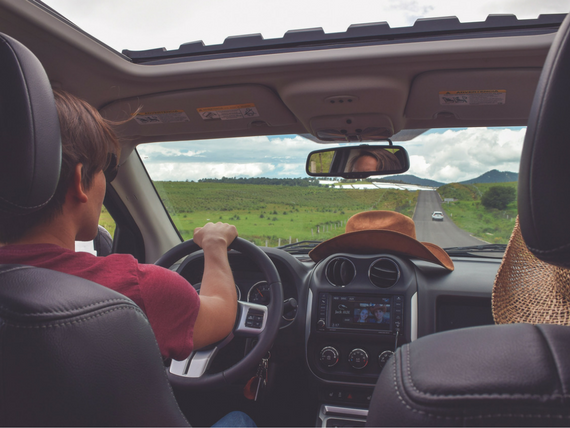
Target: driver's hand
214,235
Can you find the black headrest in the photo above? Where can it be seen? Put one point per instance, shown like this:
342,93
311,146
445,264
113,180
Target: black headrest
544,179
30,142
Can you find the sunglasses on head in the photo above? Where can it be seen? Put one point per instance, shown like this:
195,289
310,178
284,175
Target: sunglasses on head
112,168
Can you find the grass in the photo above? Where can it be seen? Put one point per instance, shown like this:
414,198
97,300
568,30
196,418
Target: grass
491,225
107,221
274,215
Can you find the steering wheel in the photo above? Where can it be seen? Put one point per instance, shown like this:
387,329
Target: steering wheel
191,373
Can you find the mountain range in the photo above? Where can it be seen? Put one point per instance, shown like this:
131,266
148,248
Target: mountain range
492,176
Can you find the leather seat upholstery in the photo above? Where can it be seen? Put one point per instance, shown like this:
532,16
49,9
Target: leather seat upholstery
72,352
75,353
516,374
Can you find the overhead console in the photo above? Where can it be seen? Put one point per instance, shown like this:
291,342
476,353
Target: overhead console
334,107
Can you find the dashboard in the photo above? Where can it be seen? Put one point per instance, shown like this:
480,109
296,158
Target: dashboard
345,315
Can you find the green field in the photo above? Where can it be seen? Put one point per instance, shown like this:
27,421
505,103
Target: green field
491,225
275,214
107,221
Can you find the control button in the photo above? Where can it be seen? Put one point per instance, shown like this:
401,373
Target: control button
358,358
254,319
321,324
384,357
328,357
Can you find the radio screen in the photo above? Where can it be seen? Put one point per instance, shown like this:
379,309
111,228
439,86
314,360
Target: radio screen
361,312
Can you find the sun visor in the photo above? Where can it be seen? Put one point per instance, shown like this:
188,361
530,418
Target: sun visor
201,112
473,94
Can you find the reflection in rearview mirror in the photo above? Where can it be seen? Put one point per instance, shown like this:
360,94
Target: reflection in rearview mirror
321,162
373,159
358,162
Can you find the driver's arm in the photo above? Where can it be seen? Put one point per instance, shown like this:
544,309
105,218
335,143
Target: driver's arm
218,298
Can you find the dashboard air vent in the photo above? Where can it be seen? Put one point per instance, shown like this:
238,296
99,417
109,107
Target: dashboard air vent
384,273
340,271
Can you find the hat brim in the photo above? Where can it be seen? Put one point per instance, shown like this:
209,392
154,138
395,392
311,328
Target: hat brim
379,241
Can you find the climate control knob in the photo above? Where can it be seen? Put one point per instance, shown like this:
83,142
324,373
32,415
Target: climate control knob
384,357
328,357
358,358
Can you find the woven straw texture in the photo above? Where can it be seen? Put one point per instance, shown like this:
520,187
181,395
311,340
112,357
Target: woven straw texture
529,290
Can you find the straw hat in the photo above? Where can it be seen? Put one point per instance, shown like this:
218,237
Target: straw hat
372,232
529,290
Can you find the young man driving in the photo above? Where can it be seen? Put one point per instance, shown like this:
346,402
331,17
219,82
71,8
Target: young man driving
181,320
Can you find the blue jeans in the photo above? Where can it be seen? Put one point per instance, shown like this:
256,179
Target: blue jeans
235,419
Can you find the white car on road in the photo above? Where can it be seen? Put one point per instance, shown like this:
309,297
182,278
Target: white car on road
437,216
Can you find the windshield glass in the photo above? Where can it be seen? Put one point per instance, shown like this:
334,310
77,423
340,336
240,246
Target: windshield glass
458,177
143,24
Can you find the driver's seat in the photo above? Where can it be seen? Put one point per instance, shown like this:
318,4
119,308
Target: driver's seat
72,352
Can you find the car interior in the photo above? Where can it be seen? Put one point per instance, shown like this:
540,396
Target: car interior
76,353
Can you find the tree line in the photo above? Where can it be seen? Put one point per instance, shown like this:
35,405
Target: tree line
300,182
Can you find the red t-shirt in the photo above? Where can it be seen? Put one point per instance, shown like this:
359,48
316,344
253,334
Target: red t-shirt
170,303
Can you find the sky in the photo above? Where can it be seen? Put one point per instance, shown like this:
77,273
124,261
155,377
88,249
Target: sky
443,155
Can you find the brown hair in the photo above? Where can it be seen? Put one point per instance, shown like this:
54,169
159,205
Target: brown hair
384,160
86,138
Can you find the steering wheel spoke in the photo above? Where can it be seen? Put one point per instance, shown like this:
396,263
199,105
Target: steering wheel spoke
252,319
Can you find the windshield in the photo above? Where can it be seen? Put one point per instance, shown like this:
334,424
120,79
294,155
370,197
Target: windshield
260,185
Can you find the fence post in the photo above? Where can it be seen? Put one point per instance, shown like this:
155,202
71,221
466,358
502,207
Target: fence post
279,242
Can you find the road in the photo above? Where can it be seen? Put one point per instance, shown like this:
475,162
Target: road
443,233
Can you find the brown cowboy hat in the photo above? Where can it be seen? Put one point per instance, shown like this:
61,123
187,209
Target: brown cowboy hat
372,232
529,290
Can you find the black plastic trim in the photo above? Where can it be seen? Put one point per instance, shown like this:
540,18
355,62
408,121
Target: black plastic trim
358,34
128,238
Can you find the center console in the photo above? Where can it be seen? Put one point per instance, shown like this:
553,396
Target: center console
353,329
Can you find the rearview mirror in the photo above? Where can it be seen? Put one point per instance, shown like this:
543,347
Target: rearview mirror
358,162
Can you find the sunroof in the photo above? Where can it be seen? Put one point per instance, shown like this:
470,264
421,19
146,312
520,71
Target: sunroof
146,24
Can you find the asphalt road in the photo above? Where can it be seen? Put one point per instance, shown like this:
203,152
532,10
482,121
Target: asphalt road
443,233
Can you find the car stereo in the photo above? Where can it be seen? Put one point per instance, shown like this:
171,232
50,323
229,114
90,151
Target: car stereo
362,313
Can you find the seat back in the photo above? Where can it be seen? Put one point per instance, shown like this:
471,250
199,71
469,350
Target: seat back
75,353
72,352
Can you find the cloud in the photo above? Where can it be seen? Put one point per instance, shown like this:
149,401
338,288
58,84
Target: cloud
286,150
457,155
195,171
442,155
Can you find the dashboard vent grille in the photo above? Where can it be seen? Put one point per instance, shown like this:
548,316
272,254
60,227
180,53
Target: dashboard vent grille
384,273
340,271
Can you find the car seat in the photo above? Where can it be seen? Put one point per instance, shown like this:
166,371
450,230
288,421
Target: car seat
512,374
72,352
